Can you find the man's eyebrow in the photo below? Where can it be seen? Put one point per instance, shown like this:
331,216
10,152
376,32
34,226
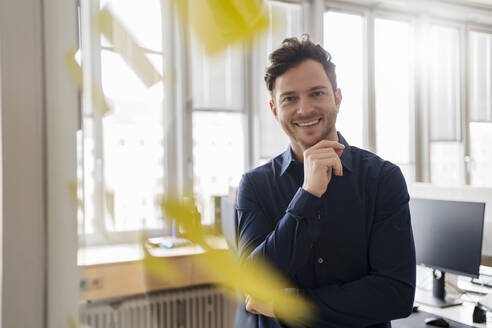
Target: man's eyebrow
286,93
318,87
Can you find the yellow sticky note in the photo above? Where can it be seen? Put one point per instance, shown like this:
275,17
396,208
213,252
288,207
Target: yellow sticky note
257,279
220,23
72,190
98,100
125,45
158,267
72,323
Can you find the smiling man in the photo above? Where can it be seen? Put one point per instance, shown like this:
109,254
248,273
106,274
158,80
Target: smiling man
333,218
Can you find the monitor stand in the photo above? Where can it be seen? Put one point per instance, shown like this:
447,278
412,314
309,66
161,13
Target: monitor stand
438,297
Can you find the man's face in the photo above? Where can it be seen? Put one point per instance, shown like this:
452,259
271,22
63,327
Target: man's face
305,106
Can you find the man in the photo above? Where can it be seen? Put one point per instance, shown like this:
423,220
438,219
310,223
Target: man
333,218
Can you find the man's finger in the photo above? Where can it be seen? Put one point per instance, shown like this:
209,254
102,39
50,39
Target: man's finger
250,307
323,153
327,144
339,152
332,163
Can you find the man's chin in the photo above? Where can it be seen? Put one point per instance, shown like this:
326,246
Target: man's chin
309,143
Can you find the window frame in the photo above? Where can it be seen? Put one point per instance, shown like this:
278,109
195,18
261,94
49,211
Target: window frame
420,123
179,147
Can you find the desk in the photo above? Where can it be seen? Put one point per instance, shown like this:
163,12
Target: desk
116,270
461,313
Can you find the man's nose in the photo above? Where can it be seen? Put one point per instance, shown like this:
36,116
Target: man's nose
304,106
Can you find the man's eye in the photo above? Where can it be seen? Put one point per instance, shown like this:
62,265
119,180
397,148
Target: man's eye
318,93
289,99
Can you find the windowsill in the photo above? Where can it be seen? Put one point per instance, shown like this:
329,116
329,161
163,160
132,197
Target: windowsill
112,271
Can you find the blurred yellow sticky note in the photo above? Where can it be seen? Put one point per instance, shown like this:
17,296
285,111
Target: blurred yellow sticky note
159,267
72,323
125,45
220,23
258,279
98,100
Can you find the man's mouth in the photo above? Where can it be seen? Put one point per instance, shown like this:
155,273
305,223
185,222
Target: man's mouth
306,124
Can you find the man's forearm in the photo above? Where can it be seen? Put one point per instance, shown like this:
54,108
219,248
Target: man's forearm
370,300
288,246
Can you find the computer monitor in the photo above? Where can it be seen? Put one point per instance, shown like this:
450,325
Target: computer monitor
448,238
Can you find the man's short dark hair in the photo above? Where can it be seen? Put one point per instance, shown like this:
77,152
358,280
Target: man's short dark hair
293,52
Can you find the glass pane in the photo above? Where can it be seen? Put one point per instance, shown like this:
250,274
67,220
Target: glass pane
481,154
347,53
133,170
120,81
89,178
445,84
286,23
217,80
287,19
392,77
481,77
447,165
218,157
141,18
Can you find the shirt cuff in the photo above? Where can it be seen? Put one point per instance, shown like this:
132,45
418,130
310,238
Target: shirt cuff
304,204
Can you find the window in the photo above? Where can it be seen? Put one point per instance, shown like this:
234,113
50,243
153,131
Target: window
480,108
447,156
218,125
123,152
393,50
348,55
228,127
286,22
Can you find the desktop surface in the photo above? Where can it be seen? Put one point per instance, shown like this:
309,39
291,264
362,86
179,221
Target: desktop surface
417,320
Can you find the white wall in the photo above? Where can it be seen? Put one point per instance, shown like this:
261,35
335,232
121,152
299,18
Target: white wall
62,107
38,106
23,239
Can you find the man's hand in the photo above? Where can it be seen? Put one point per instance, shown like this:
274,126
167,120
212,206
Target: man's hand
256,307
320,161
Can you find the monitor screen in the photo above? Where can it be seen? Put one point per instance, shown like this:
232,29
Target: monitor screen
448,234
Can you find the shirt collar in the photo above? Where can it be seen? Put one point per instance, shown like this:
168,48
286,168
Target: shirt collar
346,157
288,158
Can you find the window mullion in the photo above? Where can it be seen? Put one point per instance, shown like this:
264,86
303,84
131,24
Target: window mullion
369,85
422,141
91,59
465,104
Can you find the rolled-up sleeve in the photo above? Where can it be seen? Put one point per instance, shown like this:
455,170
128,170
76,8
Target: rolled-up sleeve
387,291
286,242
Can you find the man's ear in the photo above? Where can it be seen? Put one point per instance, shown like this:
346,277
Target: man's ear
338,98
273,108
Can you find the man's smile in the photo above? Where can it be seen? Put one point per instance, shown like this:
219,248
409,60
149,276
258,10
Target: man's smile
308,123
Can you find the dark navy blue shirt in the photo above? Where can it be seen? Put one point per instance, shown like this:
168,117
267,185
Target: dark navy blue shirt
350,252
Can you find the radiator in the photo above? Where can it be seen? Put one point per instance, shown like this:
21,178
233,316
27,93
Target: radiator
198,307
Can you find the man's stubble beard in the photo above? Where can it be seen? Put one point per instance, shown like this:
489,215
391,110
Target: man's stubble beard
322,137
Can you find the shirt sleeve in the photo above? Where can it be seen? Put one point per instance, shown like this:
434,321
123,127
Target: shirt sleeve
387,291
287,243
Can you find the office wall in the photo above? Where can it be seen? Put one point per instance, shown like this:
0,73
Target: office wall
39,114
62,110
23,211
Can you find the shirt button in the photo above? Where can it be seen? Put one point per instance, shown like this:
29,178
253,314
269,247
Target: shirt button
318,215
320,260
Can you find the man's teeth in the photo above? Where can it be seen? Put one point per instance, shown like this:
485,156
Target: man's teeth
308,123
